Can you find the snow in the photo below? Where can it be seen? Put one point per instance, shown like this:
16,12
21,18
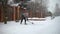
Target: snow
14,4
36,18
39,27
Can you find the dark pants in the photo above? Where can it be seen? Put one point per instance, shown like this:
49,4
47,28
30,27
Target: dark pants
23,19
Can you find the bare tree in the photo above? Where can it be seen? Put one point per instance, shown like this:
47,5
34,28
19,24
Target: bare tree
38,6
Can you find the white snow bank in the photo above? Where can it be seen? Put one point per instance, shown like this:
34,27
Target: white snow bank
14,4
36,18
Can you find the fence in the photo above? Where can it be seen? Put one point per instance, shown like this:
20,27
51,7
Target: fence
14,13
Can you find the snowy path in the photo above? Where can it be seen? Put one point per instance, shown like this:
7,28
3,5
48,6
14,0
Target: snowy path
40,27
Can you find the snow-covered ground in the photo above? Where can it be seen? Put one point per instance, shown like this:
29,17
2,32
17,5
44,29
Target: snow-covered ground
39,27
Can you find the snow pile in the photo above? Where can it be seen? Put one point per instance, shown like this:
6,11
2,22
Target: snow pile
36,18
14,4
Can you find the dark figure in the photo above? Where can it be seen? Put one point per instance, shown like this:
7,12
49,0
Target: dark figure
23,17
5,20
